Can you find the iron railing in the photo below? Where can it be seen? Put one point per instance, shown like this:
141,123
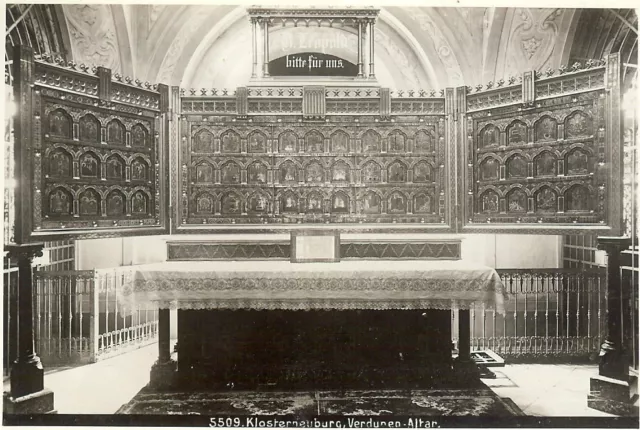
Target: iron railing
77,317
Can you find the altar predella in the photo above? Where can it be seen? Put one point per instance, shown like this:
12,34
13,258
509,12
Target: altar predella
108,155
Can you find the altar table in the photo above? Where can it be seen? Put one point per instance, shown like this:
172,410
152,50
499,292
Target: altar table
364,323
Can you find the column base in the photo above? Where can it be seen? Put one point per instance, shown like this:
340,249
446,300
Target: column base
26,377
612,396
40,402
466,368
163,374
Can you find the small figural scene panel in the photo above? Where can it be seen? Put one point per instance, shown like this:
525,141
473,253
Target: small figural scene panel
99,170
343,172
543,165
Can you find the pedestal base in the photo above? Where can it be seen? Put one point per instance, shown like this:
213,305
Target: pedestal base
163,374
612,396
40,402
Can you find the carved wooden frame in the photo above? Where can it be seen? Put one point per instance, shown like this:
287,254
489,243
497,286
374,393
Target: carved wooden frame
41,88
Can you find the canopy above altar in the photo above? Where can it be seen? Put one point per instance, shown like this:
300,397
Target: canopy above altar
343,285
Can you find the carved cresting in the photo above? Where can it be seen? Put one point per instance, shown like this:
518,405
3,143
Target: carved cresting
92,165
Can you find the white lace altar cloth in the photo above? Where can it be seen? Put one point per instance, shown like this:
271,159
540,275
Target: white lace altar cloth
284,285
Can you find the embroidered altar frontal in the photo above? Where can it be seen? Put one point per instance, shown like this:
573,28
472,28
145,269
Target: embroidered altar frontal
286,286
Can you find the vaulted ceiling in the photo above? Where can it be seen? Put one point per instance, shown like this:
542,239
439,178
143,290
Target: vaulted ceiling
416,47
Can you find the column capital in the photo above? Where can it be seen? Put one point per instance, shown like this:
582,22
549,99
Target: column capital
25,251
613,245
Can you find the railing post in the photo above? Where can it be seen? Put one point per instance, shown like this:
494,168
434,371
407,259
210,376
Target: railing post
28,394
94,315
610,390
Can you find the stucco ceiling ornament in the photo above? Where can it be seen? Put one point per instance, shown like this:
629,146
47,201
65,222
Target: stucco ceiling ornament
406,66
532,39
93,36
154,13
445,53
177,47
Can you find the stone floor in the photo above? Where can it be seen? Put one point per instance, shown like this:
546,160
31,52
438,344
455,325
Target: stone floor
102,388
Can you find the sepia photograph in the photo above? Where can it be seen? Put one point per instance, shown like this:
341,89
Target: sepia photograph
346,215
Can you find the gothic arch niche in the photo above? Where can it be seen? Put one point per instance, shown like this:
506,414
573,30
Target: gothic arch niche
139,136
60,162
257,143
60,202
257,173
288,172
424,142
116,204
397,203
546,129
370,142
315,201
577,199
340,202
116,132
339,142
578,124
340,172
517,201
230,173
140,203
89,203
89,129
517,166
422,172
546,200
314,142
544,164
517,133
397,172
258,203
314,172
230,142
288,142
289,202
371,172
489,169
371,203
60,124
139,170
489,136
89,165
115,167
577,162
204,173
423,203
489,202
397,142
203,141
204,204
231,203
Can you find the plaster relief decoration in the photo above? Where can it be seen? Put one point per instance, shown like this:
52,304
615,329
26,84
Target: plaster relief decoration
154,13
177,47
442,47
93,35
402,56
532,39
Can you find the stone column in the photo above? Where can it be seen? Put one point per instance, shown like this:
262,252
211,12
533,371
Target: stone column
266,47
27,395
254,41
360,35
372,33
610,390
163,370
